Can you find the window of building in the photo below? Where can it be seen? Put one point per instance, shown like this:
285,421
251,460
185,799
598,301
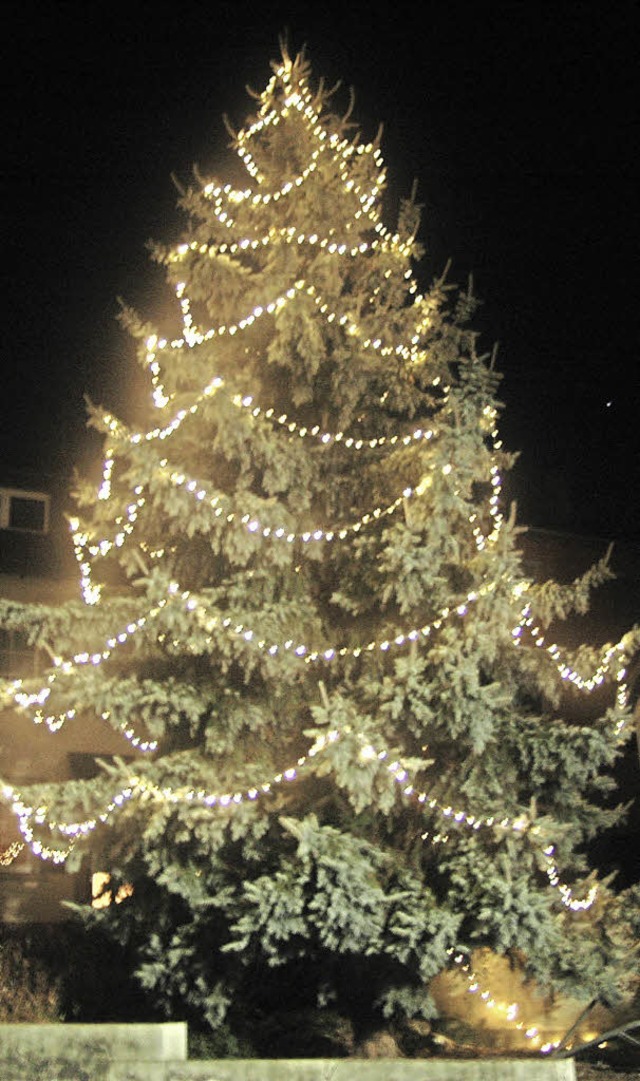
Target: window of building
26,512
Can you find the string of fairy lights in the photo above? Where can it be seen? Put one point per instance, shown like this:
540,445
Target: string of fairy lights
385,242
367,199
139,787
194,336
227,202
124,523
87,551
120,432
613,658
221,509
191,337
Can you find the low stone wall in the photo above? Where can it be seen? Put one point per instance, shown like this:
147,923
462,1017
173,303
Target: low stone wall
104,1052
372,1070
165,1041
158,1052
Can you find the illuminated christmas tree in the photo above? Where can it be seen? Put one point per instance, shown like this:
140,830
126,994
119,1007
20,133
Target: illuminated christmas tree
304,607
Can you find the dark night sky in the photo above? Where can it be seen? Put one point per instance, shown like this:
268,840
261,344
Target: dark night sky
519,121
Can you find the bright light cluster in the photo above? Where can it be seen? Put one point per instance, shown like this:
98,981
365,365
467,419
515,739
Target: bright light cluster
11,853
510,1010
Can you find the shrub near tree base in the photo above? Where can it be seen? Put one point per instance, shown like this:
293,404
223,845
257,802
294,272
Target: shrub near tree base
305,609
27,990
69,972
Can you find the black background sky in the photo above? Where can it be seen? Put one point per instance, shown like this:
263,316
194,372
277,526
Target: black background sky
519,120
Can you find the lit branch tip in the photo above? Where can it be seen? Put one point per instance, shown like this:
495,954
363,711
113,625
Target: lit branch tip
176,183
232,132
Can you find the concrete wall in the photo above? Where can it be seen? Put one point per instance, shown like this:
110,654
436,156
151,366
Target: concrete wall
378,1070
108,1052
157,1052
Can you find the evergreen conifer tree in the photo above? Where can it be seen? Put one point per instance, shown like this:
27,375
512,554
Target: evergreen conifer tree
304,608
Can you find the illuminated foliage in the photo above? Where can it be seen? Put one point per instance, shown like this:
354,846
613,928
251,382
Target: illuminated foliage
304,608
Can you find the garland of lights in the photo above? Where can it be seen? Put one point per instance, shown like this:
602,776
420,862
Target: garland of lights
202,613
120,431
138,787
116,428
385,242
250,523
144,790
85,551
569,674
193,336
217,196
